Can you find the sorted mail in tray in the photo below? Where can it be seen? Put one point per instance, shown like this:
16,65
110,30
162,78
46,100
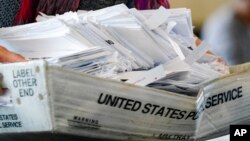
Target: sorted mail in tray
136,49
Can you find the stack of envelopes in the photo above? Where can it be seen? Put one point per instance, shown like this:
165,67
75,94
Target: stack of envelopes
152,48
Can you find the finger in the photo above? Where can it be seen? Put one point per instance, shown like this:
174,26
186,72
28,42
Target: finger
198,43
9,57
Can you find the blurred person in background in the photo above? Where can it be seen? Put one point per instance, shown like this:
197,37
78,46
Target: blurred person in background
150,4
228,32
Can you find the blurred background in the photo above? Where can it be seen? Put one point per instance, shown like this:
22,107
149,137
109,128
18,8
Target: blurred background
223,24
201,10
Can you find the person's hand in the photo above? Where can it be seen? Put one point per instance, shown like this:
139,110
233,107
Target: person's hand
199,41
8,57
